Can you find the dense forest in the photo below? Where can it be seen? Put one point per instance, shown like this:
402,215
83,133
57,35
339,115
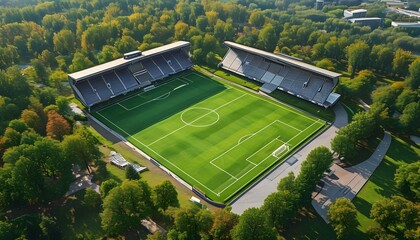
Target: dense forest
42,41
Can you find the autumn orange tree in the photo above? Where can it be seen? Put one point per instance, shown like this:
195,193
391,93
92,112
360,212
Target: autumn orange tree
57,126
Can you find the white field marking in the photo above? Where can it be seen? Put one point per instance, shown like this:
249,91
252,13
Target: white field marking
161,97
186,79
266,100
280,106
183,85
275,139
225,85
266,159
176,130
157,154
297,129
197,125
139,94
221,169
252,135
242,138
276,153
122,106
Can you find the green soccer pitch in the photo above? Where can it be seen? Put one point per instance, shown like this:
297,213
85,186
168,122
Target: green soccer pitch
217,138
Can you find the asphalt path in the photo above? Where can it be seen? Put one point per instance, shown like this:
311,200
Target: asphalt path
347,182
254,197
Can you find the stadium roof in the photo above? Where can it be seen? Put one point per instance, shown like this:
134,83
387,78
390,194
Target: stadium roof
284,59
86,73
356,10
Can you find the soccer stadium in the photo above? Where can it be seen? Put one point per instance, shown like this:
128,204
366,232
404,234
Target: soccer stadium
212,136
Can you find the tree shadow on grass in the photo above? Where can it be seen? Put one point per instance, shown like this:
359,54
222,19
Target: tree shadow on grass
362,206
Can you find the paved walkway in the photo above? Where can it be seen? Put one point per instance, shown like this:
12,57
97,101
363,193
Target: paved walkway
82,183
347,182
255,196
364,105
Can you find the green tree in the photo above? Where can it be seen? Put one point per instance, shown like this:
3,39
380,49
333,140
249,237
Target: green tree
28,180
64,42
49,227
267,38
344,145
253,226
358,57
396,213
124,208
107,186
108,53
63,105
312,170
401,61
387,211
192,222
326,64
91,198
406,97
181,30
256,19
387,95
280,208
413,79
165,195
131,173
409,119
343,217
80,62
407,179
201,23
80,148
381,58
126,44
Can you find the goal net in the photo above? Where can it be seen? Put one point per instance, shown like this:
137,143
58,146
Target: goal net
279,151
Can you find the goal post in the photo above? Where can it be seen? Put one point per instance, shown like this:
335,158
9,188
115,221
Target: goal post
279,151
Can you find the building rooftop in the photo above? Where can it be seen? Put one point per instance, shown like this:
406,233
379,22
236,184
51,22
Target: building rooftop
285,59
365,19
356,10
86,73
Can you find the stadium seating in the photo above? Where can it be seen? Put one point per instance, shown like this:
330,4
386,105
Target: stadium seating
163,65
127,78
101,87
102,82
290,78
172,62
137,67
87,92
151,67
116,85
183,59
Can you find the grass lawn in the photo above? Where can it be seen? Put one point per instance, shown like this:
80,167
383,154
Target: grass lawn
326,114
381,183
309,225
215,137
352,107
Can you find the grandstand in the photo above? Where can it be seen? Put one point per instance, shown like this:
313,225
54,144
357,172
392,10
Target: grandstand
103,82
282,72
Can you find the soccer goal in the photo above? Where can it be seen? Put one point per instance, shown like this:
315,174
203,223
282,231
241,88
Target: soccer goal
279,151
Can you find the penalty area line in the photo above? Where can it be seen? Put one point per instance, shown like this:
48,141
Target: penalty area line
157,154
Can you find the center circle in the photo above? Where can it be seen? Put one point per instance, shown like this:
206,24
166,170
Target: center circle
199,117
